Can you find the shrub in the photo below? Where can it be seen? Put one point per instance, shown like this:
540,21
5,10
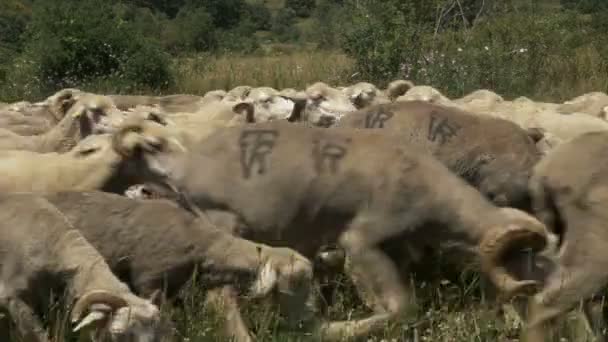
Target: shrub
71,43
259,15
195,31
302,8
283,25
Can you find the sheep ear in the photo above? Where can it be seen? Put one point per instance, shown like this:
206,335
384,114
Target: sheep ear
536,134
298,109
247,109
92,317
156,298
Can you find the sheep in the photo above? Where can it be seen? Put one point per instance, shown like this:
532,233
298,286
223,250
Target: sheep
569,191
42,253
356,188
424,93
321,105
161,244
397,88
92,164
496,156
364,94
594,104
88,114
30,119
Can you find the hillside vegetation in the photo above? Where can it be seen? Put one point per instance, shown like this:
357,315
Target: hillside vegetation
542,49
549,50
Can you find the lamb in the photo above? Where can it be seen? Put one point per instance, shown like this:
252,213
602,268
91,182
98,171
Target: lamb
569,189
496,156
161,244
355,188
41,253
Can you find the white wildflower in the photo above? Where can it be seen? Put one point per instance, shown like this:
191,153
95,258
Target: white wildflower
459,50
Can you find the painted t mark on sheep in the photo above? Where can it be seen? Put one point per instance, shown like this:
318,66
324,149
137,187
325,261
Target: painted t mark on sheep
255,146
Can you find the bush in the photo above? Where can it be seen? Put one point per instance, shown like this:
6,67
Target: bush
195,31
71,43
259,15
302,8
283,25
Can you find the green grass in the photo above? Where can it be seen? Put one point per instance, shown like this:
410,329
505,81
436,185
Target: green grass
446,312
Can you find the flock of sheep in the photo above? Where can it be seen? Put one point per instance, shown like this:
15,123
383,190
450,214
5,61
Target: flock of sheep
112,202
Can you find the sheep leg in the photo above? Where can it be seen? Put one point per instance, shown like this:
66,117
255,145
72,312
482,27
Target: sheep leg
563,291
372,269
594,314
348,330
28,326
224,301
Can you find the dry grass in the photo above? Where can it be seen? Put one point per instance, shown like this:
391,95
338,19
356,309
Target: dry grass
284,70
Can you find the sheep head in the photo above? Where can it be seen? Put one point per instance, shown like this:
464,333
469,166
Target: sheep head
288,275
398,88
61,102
321,106
363,94
98,114
134,320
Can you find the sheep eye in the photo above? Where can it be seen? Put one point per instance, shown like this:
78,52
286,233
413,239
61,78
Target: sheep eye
87,152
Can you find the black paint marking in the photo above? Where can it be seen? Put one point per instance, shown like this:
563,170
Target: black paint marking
377,118
326,155
441,130
255,146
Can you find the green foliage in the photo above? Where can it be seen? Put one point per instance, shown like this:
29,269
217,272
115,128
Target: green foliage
259,15
302,8
586,6
511,52
194,31
225,13
71,43
283,25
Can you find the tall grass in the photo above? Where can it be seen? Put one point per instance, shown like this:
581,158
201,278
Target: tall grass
283,70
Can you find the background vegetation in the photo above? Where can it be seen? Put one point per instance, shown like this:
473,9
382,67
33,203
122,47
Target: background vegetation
544,49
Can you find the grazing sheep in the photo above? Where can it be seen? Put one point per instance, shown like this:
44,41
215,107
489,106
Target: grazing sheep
357,188
570,192
161,245
40,254
495,156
